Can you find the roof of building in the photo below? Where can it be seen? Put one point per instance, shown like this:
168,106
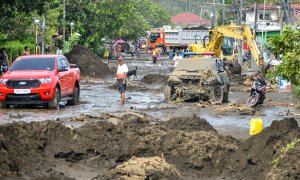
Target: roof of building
295,6
189,18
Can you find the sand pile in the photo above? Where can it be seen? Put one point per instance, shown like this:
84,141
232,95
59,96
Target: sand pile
88,62
141,169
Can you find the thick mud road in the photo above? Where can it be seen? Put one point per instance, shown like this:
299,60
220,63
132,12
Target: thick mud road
145,95
148,138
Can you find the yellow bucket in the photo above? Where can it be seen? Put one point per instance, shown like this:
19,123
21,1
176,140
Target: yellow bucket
256,126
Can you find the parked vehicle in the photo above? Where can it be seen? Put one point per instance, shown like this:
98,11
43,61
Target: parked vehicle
197,79
165,38
42,80
257,94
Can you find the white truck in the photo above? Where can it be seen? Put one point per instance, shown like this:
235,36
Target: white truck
167,39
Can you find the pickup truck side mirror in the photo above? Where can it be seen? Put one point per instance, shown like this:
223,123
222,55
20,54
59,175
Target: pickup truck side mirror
62,69
4,69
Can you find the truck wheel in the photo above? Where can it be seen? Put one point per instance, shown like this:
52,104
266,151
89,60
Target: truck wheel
217,94
75,97
167,93
4,106
54,103
237,68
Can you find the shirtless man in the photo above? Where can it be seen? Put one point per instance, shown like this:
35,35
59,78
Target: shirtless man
121,78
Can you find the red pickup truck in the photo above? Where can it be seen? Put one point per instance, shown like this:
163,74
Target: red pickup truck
42,80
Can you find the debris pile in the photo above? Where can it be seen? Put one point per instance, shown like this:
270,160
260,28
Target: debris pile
155,79
260,153
89,63
141,169
129,146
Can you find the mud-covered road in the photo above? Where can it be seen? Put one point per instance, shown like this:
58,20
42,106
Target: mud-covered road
145,95
148,138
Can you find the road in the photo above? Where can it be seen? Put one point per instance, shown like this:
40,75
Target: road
99,96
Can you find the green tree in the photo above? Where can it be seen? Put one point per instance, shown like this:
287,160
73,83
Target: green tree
287,46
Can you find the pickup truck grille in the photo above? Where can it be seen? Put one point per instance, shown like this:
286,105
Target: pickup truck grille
22,84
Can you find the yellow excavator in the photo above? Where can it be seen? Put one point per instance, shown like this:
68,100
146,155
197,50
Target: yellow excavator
221,42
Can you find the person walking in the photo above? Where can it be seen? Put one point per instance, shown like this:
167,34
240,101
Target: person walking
121,78
26,51
3,60
119,49
154,56
176,59
137,50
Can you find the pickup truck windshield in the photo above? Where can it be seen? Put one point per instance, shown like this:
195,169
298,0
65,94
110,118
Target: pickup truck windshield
33,64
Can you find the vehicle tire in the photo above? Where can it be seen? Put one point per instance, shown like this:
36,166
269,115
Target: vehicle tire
168,93
252,101
217,94
237,68
75,97
225,97
4,106
54,103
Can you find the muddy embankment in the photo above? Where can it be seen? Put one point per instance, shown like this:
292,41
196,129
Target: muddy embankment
128,146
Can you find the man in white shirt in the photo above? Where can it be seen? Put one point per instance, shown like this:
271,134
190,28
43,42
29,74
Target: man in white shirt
176,59
121,78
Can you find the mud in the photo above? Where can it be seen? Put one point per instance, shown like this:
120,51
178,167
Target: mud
138,148
155,79
89,63
256,157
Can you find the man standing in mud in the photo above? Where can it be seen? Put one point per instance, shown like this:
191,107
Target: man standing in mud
121,78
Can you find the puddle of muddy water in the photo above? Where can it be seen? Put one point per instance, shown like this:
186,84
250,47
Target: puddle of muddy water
97,99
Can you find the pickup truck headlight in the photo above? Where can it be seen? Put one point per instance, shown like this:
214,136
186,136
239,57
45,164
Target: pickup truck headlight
45,80
3,81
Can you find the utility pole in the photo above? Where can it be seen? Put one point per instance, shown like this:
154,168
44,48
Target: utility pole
255,20
214,13
223,12
64,21
43,35
241,12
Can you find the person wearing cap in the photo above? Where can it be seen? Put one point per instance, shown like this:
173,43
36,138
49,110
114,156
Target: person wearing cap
121,78
176,59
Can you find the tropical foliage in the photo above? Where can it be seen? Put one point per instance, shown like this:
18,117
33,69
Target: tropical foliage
287,46
95,20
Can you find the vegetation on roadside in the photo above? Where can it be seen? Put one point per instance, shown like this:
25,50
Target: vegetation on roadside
284,150
94,20
287,47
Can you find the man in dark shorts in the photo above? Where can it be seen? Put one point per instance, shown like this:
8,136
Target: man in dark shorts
121,78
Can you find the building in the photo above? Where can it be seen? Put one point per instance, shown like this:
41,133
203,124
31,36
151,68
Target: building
269,20
190,20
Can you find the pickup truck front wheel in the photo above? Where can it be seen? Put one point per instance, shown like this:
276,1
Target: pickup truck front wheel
4,106
54,103
75,97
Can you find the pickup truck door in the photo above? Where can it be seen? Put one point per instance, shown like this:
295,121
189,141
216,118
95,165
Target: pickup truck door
62,76
69,77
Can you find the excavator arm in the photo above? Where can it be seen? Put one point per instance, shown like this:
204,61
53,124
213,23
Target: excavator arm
238,32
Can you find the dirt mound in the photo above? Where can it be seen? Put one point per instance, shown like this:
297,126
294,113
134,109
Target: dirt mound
22,148
40,149
258,152
189,124
141,169
155,79
188,144
88,62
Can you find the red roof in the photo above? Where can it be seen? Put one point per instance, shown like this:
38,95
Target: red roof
189,18
295,6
